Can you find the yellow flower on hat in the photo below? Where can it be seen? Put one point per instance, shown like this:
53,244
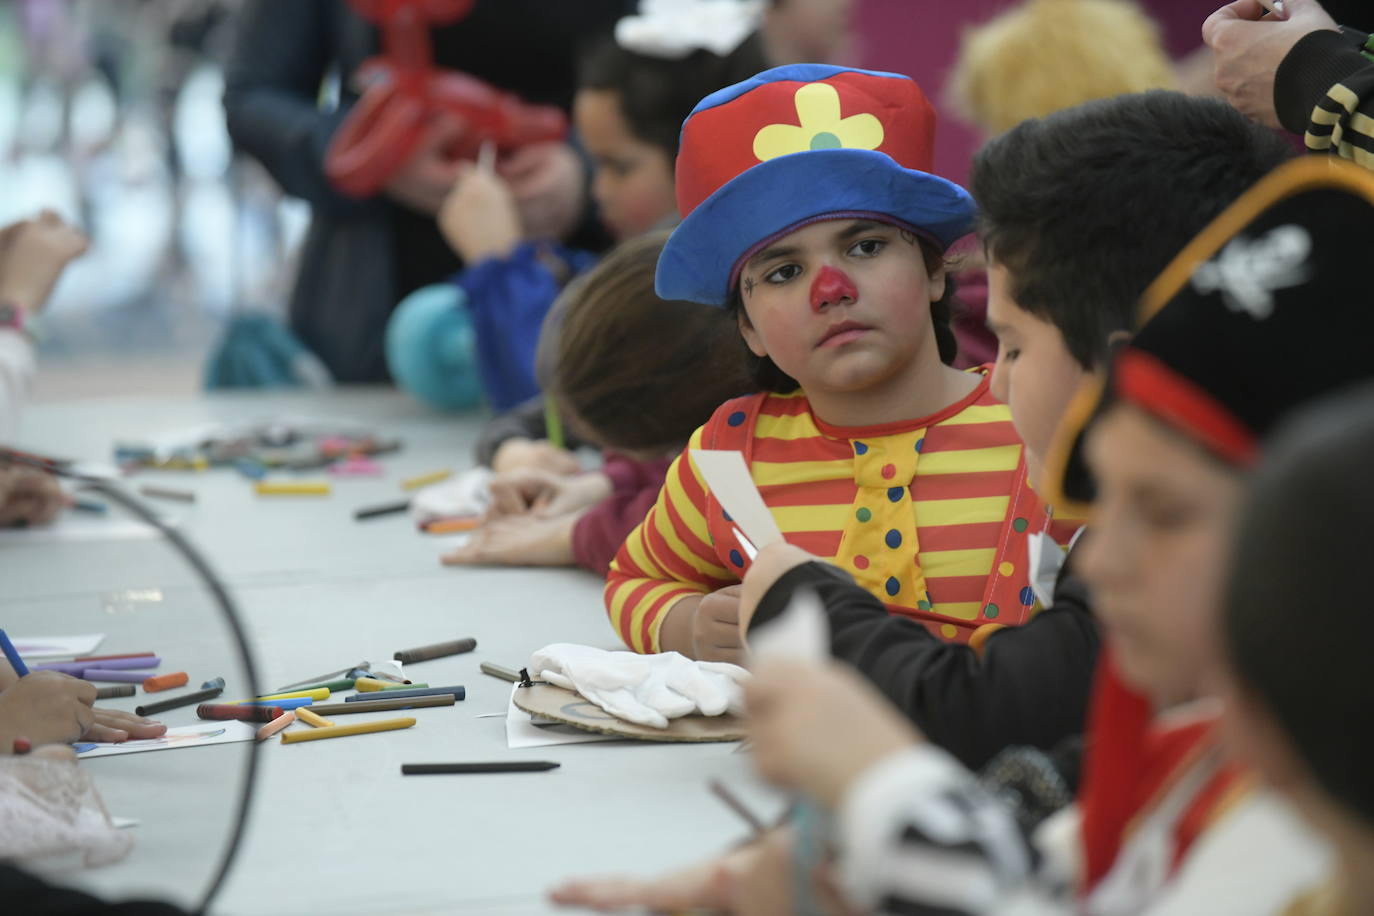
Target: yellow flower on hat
818,110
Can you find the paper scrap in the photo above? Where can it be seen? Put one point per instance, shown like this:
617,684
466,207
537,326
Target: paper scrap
801,633
57,646
522,732
182,736
728,477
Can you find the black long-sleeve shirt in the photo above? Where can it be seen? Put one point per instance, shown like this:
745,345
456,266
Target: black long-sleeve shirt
1030,685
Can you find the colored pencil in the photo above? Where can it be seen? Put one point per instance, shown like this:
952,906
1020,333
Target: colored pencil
443,699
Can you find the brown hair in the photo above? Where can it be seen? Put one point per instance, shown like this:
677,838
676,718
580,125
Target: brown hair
633,371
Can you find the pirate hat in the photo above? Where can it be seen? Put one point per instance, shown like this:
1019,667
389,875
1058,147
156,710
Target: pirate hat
1267,309
795,145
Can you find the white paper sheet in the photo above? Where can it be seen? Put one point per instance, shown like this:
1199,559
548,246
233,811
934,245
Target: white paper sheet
728,477
200,735
522,732
57,646
82,526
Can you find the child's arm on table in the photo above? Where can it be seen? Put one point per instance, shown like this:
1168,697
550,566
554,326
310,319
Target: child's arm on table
972,706
914,828
657,585
47,707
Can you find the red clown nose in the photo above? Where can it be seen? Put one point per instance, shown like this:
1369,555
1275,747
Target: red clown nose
830,287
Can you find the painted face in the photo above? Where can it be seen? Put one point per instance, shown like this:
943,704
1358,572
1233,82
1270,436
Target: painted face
840,305
1156,551
633,182
1035,375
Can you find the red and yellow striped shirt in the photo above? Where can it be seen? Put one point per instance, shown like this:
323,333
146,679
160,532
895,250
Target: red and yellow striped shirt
958,558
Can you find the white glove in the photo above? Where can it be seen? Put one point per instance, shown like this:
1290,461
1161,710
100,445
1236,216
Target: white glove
644,689
463,494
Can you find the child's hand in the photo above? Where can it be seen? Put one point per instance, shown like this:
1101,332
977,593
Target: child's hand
46,707
517,453
29,497
705,886
705,627
33,255
518,540
817,728
545,494
766,569
117,725
479,219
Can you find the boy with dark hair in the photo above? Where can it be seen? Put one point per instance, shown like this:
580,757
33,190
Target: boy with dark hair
1079,212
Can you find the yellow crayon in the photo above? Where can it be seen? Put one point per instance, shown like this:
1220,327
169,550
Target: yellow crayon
339,731
292,488
424,480
312,719
276,725
315,693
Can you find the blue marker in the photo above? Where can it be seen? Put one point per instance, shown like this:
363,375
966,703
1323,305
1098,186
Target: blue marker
12,654
284,704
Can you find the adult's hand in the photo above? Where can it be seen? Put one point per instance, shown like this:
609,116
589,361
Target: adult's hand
549,183
1250,43
429,174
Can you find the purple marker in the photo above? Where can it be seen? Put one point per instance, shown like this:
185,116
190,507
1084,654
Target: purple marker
109,664
123,677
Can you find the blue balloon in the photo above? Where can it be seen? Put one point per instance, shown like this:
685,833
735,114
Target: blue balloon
431,349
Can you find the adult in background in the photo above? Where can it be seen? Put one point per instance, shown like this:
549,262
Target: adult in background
361,257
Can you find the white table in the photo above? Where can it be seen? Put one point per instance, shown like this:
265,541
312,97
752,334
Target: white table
334,827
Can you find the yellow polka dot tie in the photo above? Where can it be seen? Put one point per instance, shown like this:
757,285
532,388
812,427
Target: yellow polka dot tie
879,543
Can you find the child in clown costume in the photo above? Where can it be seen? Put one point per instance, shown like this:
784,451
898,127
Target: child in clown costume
810,213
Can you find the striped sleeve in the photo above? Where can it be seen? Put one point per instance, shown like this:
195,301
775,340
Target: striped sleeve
1343,121
1324,89
919,835
668,557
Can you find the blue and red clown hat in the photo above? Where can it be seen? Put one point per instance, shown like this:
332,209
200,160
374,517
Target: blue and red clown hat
792,146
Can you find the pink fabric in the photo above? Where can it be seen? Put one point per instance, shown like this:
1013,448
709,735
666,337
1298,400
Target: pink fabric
920,38
597,536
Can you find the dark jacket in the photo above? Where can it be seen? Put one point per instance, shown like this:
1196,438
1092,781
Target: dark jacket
1029,687
363,256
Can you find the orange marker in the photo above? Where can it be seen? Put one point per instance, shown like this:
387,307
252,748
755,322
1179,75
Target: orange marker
276,725
165,682
451,525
